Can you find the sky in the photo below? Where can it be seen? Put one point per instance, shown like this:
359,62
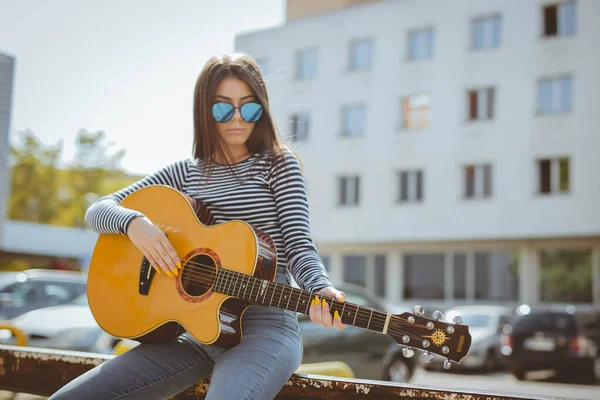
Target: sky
124,67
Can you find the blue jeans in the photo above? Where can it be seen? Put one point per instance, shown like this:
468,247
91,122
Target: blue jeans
257,368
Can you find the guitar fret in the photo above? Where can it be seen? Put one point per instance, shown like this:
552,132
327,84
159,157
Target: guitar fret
217,281
252,290
298,302
233,281
274,287
246,286
370,316
241,284
310,297
287,306
279,302
225,282
355,314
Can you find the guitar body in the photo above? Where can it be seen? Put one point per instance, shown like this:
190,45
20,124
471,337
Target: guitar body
130,300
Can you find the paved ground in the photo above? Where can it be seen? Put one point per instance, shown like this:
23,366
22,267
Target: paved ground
542,384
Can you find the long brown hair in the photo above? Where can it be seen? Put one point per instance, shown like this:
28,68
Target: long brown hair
208,144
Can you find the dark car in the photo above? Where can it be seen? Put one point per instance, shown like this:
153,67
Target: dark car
28,290
551,339
370,355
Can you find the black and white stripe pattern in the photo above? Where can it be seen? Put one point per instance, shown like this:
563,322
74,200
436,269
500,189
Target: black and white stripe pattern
268,194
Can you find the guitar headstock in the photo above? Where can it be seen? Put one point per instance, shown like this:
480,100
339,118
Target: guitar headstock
452,341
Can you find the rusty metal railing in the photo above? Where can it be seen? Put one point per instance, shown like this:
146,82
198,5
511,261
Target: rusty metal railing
43,371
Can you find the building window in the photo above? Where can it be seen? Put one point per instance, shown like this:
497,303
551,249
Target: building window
566,276
415,111
361,54
478,181
424,276
555,95
306,64
486,32
420,44
554,176
355,270
481,104
559,19
380,275
349,190
300,126
496,276
410,186
263,65
460,275
354,119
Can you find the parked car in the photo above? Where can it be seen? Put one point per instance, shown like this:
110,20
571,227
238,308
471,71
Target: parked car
370,355
28,290
544,339
486,323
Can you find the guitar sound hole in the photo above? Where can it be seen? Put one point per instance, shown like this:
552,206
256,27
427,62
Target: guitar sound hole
198,275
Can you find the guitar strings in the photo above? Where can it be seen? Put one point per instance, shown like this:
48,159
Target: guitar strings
229,274
380,319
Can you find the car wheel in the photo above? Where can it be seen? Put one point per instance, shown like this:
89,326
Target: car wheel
491,362
398,371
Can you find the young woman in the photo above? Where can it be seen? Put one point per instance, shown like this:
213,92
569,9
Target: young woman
240,170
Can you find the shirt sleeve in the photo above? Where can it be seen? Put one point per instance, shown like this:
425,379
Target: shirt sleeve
287,184
106,215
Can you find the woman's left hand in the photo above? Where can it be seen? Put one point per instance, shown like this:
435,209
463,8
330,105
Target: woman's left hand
320,310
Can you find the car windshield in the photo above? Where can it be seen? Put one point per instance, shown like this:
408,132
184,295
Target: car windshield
81,300
6,279
547,322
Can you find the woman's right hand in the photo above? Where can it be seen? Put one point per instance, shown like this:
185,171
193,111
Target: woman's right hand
154,244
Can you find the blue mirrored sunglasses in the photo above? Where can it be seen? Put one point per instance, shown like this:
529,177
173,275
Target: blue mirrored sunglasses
223,112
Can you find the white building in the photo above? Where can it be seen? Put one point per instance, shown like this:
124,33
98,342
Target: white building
6,86
451,149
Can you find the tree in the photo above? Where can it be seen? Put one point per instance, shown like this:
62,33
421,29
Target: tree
34,180
43,192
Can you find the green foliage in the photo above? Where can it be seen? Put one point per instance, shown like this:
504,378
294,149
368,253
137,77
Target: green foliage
43,192
566,276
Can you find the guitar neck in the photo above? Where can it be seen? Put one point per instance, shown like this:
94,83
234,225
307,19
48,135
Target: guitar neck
267,293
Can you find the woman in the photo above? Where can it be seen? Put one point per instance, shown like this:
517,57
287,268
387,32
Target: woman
240,170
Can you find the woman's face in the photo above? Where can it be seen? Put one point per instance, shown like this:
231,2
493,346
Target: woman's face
236,92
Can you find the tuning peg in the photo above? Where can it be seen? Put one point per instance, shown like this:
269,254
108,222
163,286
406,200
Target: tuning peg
437,315
457,320
419,310
408,352
447,364
427,357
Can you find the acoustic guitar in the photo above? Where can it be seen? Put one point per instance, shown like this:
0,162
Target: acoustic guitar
226,268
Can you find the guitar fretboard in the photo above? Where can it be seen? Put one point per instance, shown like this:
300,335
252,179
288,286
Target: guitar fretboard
261,291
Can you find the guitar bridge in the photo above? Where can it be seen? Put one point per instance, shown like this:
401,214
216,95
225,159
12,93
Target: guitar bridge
146,275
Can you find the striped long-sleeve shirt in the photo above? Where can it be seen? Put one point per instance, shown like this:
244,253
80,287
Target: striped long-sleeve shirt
267,193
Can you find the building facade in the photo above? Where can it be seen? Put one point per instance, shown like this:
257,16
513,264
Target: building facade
450,148
6,87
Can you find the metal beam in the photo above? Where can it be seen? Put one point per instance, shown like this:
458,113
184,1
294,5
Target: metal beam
43,371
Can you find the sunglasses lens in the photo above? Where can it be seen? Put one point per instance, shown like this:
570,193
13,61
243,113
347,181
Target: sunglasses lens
222,112
251,112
